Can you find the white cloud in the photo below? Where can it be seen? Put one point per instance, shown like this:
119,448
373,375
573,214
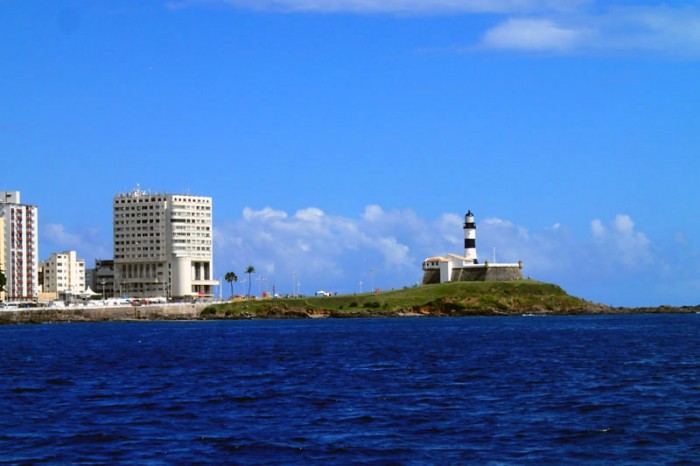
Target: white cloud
372,213
611,251
608,28
597,228
327,250
394,253
335,253
533,35
555,26
57,234
625,246
624,224
613,262
311,214
661,29
88,244
264,214
495,222
449,229
390,6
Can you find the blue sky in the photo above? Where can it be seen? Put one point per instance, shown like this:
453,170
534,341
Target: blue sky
340,137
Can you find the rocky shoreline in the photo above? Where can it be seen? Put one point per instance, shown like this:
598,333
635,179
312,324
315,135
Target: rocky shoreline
279,313
664,309
182,312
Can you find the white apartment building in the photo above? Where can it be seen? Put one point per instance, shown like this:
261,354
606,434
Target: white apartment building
20,250
163,245
63,272
2,254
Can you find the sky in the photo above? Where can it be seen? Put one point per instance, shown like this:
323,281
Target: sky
342,141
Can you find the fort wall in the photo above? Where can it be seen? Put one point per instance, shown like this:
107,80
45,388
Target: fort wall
483,273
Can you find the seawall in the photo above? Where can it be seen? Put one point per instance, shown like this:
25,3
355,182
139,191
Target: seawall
103,314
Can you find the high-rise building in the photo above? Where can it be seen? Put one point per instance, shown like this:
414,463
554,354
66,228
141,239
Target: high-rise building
163,245
63,272
21,247
3,269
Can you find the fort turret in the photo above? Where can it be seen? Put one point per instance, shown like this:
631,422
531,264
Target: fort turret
470,237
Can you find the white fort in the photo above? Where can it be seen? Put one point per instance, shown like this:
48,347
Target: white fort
453,267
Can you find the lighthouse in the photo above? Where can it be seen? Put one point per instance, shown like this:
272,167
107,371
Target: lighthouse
470,237
466,268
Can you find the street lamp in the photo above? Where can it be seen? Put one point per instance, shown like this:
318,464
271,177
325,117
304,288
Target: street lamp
103,282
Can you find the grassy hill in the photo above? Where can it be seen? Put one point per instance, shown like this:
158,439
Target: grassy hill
445,299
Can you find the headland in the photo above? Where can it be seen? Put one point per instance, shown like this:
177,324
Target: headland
454,299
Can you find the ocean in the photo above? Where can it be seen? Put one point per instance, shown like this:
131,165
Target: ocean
403,391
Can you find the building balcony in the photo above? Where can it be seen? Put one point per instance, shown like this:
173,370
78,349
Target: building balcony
132,280
205,282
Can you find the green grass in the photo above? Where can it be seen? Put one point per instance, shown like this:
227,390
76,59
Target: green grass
457,298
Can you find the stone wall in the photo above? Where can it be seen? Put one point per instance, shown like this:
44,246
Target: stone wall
504,273
431,276
476,274
486,274
103,314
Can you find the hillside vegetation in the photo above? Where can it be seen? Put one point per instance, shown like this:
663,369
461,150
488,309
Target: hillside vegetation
445,299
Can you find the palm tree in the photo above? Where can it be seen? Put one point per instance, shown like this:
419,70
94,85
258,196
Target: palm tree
231,277
250,269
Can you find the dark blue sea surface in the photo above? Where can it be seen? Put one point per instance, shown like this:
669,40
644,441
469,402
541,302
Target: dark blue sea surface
494,390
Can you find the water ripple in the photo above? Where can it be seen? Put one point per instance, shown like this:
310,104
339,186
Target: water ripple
573,390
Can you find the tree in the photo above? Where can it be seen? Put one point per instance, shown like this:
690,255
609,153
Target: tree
3,281
249,270
231,277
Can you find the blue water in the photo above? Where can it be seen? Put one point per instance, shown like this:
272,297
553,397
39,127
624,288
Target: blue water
521,390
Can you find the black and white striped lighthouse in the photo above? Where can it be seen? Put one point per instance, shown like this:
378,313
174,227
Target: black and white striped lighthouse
470,237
